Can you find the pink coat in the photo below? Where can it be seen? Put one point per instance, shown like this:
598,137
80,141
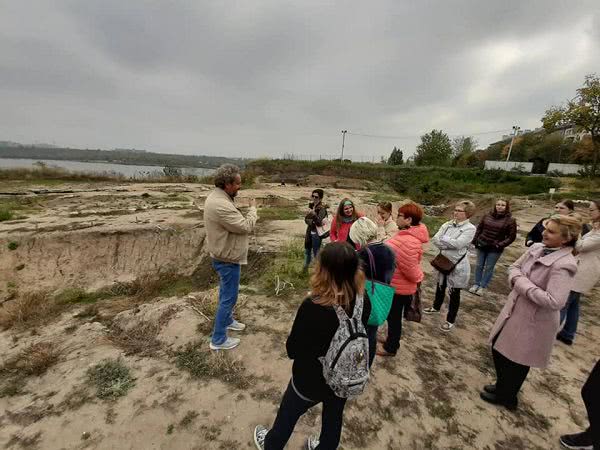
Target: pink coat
340,235
407,245
529,321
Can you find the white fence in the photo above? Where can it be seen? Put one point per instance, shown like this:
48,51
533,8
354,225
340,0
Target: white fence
566,169
509,165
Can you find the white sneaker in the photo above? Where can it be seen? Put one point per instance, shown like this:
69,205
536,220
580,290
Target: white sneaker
481,292
474,289
430,310
260,433
447,326
312,442
236,326
229,343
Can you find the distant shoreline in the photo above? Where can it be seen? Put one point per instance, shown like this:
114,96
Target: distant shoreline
109,161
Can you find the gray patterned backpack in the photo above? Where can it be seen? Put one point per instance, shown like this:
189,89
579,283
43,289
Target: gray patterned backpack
346,363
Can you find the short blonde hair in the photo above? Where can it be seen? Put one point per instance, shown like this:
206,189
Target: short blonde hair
468,206
363,231
570,227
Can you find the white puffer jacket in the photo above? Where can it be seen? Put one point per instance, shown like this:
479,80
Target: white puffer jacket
453,240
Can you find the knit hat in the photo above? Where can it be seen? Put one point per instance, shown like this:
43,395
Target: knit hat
363,231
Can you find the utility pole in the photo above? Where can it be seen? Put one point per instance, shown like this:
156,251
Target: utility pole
343,142
512,141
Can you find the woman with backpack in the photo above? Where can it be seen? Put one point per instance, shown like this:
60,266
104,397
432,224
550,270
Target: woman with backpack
343,220
407,246
317,212
378,263
525,330
321,360
496,231
453,240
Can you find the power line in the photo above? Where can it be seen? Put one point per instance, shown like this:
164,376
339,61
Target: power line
379,136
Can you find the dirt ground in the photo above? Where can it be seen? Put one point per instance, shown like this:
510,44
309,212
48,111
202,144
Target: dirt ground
427,397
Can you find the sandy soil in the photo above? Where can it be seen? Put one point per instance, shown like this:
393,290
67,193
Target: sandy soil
425,398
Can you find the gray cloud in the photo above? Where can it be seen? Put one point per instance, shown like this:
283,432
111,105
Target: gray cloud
270,77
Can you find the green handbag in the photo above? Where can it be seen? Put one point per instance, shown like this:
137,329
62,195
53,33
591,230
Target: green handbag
381,296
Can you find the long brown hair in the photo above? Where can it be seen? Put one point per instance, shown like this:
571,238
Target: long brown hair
340,212
338,276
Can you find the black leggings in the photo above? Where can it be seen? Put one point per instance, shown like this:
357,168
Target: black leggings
293,406
454,293
591,398
510,376
394,320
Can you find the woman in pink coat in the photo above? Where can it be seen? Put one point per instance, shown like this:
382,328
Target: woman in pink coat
525,330
342,222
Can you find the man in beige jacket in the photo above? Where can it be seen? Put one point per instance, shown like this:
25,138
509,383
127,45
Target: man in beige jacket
227,243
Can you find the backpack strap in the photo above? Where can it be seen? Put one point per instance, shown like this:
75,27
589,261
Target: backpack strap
358,307
372,267
342,316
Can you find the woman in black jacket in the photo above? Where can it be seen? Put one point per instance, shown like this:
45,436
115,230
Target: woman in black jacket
565,208
317,212
337,280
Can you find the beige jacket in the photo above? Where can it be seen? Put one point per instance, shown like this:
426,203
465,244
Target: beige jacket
588,265
226,228
387,230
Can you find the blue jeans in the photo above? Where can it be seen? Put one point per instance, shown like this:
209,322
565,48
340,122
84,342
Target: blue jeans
571,313
313,250
486,261
229,285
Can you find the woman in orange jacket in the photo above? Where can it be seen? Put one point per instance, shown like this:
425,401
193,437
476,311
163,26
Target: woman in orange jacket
407,245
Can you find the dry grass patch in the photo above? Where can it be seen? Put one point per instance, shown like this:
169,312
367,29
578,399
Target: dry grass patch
189,417
23,441
33,308
141,339
207,365
35,360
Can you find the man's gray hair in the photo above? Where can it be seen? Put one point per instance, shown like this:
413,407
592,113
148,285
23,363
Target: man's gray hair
226,175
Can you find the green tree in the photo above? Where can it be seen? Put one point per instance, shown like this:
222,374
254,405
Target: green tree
435,149
582,112
396,158
464,152
462,145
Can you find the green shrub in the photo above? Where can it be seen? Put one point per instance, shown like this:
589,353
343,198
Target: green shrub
5,214
111,378
12,245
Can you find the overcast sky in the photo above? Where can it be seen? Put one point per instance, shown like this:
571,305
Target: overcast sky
256,78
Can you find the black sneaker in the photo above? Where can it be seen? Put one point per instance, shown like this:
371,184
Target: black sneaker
490,388
564,340
494,399
577,441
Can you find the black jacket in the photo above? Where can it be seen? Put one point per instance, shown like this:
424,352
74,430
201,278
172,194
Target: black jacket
312,331
535,235
312,220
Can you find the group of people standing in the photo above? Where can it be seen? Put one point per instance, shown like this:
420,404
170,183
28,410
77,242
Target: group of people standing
363,253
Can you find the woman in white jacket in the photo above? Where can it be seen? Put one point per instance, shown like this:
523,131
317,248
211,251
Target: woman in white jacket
588,274
453,240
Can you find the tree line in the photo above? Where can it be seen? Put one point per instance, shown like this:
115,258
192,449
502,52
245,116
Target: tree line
9,150
581,114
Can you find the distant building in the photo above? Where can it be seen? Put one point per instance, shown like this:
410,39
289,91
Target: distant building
571,133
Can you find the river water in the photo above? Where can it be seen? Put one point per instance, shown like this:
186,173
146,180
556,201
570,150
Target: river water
98,167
